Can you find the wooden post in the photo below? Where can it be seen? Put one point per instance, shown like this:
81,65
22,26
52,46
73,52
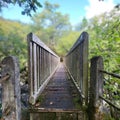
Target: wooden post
84,65
96,89
11,105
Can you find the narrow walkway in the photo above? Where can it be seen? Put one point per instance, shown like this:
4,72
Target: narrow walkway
60,93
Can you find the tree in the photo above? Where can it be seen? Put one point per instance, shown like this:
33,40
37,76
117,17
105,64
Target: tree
66,42
82,25
51,24
105,38
13,40
27,5
105,41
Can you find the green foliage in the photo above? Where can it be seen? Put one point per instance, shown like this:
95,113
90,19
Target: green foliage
54,29
108,117
13,40
105,39
104,34
82,25
50,25
66,42
27,5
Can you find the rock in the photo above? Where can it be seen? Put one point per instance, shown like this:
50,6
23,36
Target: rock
24,95
24,88
24,100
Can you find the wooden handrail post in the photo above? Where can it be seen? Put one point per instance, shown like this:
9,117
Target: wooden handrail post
96,89
10,80
84,61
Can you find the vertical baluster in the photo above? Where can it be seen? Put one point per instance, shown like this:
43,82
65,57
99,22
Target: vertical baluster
85,67
45,65
37,60
35,67
39,66
50,63
81,66
31,71
42,65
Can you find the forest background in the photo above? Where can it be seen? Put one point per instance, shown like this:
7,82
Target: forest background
55,29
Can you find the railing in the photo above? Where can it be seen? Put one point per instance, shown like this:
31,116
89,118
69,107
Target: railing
42,64
96,89
77,64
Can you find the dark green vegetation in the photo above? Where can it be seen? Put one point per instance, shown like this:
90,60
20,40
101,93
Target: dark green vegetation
55,29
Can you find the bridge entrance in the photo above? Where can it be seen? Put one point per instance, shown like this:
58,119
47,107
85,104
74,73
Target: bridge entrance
58,85
60,99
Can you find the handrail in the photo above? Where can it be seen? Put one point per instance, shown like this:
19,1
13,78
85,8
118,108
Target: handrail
110,103
36,40
112,74
76,62
42,64
82,37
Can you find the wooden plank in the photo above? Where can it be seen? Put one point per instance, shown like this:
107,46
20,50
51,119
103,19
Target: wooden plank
35,66
38,110
81,67
39,66
38,75
30,65
57,116
85,67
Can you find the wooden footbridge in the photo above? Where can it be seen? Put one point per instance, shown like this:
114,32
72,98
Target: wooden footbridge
59,88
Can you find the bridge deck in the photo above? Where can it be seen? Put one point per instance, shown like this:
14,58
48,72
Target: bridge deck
60,93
